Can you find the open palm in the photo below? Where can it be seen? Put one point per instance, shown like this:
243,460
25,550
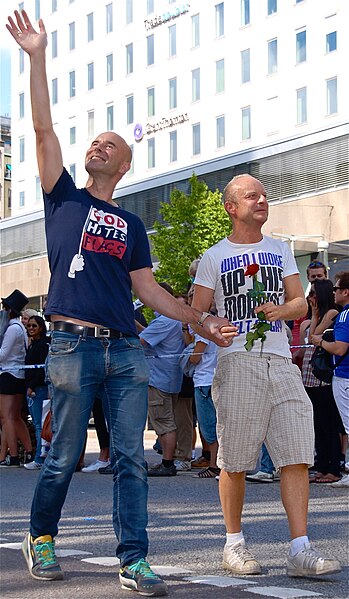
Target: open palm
25,35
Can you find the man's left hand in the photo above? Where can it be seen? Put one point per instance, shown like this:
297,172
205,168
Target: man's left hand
220,330
272,311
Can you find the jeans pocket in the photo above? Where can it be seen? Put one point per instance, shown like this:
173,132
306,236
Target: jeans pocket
133,343
60,346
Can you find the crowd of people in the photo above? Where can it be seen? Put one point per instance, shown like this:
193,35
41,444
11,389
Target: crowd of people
246,388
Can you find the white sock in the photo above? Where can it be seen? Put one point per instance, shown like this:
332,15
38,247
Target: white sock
234,537
297,545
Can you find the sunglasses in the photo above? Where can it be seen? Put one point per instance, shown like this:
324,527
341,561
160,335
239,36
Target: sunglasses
32,326
335,288
316,265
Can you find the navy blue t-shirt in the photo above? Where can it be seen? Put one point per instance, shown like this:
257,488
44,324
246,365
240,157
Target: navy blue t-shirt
92,246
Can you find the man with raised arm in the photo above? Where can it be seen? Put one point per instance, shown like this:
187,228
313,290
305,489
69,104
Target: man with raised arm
97,254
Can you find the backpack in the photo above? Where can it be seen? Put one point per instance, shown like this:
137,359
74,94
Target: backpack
322,361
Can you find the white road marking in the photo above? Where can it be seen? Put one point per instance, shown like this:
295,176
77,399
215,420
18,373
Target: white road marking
59,552
283,593
219,581
114,561
102,561
11,545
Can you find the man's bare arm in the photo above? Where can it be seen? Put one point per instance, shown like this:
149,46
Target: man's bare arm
295,304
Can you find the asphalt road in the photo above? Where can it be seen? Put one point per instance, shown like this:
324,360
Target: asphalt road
186,535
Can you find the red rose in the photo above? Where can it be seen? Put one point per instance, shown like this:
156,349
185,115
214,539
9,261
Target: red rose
251,270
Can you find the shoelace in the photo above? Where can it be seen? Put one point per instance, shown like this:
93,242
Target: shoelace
242,552
46,553
142,567
310,556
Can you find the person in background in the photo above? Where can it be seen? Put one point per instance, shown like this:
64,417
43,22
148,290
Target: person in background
26,314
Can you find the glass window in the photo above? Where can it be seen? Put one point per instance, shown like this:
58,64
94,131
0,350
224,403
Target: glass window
196,139
220,131
129,59
331,86
272,7
132,167
37,10
272,56
21,105
53,5
195,31
246,122
301,46
38,191
151,152
172,93
72,135
129,12
220,78
172,41
219,15
54,91
331,41
150,50
21,199
21,149
245,12
110,68
110,117
195,85
72,89
21,60
72,171
90,33
109,17
150,6
71,36
301,105
245,66
129,109
90,76
54,44
151,101
173,146
90,123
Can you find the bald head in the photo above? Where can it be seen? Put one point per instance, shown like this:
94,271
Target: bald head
237,185
108,154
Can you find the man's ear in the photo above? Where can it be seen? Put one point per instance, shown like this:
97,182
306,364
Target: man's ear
230,207
124,168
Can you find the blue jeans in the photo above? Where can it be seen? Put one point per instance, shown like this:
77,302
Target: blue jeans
116,369
206,413
266,461
35,410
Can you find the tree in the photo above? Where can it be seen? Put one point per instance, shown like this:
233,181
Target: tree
192,224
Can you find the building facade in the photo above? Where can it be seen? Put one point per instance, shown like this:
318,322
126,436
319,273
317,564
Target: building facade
215,88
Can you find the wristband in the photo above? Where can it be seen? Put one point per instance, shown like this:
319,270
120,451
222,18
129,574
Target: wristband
203,317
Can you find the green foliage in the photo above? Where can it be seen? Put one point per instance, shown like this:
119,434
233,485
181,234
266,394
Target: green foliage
192,224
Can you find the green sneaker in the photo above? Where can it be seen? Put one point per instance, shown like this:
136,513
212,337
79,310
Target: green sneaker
40,557
140,577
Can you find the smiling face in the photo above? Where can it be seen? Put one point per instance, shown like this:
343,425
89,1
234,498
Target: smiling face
245,200
34,329
109,154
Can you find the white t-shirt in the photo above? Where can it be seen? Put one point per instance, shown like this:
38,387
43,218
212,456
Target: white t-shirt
222,269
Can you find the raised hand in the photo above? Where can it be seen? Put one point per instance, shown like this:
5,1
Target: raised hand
25,35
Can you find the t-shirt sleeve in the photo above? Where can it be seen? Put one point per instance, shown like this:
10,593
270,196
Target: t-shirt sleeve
158,330
207,272
342,327
140,257
290,265
62,187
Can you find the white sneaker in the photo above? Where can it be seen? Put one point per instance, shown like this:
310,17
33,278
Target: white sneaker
308,562
240,560
343,482
182,465
260,477
32,466
95,465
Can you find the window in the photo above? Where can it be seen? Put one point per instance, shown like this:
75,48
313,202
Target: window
195,31
129,12
151,152
71,36
150,50
72,171
173,146
220,79
21,105
109,17
72,135
72,84
272,56
110,117
54,6
129,59
91,123
245,66
219,16
220,132
90,33
196,139
151,101
37,10
21,199
54,91
21,149
301,46
301,105
110,68
331,87
272,7
150,6
246,122
54,45
132,167
172,41
20,6
245,12
195,85
129,109
90,76
172,93
21,60
38,192
331,42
